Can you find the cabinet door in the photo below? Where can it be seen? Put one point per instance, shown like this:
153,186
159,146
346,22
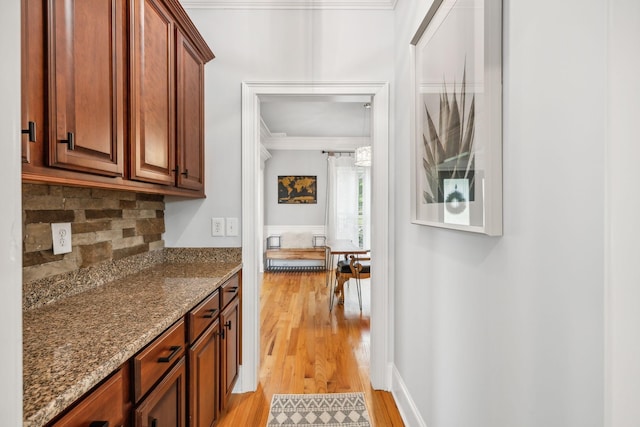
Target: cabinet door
165,405
204,378
230,323
33,76
105,403
190,114
152,93
86,85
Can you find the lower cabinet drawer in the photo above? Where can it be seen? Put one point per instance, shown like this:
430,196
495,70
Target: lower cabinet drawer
202,316
229,290
105,404
155,360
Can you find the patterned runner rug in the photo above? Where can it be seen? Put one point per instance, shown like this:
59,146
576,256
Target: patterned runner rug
326,410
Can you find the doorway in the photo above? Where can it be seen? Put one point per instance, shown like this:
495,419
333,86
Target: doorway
381,285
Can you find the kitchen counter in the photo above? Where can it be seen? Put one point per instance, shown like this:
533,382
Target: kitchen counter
70,345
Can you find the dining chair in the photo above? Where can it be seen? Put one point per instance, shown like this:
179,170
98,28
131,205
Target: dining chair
354,267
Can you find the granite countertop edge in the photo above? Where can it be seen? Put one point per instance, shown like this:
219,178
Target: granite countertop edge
45,409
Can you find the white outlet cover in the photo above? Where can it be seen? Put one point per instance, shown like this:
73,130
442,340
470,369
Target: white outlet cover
217,227
61,235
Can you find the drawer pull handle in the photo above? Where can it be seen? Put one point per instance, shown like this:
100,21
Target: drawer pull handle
99,424
211,312
233,289
228,325
175,349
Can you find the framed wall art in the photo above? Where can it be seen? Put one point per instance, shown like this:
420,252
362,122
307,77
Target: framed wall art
297,189
456,112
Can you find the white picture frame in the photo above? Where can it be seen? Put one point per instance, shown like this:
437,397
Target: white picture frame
456,117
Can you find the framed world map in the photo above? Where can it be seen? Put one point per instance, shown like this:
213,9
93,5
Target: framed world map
297,189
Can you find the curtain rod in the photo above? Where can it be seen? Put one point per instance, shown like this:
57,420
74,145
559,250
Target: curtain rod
337,152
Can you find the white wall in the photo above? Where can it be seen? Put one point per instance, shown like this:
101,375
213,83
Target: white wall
11,226
289,162
511,328
268,45
623,232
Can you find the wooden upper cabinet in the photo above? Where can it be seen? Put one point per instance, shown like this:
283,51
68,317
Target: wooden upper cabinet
167,105
190,114
86,85
152,92
112,95
33,74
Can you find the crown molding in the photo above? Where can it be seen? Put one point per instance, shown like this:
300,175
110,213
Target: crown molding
265,132
290,4
315,143
264,153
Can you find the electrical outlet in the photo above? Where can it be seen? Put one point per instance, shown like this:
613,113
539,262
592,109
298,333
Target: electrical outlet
217,227
61,235
232,226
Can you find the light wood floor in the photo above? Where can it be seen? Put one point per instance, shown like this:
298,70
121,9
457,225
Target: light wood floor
306,349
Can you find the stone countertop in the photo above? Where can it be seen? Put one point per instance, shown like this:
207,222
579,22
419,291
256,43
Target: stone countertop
71,345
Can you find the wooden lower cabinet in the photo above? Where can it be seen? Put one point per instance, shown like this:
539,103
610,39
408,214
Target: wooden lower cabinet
204,378
165,386
106,404
165,406
230,354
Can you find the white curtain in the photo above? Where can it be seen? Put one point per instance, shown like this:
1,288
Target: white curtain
366,207
342,200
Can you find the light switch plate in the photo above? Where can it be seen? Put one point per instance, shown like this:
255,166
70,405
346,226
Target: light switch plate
61,235
232,226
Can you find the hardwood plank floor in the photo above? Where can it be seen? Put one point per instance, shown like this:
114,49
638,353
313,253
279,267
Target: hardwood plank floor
306,349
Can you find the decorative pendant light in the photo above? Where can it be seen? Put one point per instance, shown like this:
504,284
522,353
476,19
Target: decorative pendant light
363,156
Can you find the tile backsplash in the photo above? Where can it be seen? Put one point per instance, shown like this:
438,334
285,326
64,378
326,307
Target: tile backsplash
105,225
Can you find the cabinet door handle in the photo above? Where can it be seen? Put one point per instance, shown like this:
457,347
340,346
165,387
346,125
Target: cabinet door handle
31,131
70,141
176,170
154,422
211,312
175,349
228,325
185,173
221,333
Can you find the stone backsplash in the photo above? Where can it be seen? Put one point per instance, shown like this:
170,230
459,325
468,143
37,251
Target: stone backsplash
106,225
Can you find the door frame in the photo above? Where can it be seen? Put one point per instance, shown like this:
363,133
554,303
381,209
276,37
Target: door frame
381,325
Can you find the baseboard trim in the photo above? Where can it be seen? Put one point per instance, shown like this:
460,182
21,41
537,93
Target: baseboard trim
406,406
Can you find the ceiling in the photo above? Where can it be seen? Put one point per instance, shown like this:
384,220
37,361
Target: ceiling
289,4
316,116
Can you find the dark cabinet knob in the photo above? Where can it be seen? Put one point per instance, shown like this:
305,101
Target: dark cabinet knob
70,141
31,131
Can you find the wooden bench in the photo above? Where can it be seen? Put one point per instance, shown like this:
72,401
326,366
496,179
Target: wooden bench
275,251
